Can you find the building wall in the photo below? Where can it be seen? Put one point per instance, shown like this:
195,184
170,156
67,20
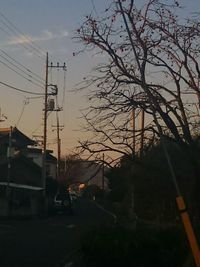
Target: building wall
36,157
52,169
50,166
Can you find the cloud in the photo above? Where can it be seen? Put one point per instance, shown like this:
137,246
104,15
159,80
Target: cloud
45,36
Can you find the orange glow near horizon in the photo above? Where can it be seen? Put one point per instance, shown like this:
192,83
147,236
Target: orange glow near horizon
81,186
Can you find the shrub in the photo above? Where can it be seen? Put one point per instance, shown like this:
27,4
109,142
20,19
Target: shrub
143,247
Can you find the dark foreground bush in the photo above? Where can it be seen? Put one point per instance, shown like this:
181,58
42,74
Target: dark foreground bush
143,247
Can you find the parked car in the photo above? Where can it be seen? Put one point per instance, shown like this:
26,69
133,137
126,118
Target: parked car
73,196
63,203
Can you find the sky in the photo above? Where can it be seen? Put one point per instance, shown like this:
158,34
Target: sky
50,24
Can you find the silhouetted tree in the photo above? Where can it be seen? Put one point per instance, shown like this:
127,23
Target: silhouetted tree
147,58
149,61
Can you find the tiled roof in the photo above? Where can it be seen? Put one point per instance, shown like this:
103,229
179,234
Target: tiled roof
21,139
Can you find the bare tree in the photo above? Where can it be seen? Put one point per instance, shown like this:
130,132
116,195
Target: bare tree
149,61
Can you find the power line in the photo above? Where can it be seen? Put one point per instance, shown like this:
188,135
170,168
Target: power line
20,64
40,125
25,102
94,8
29,80
64,89
20,90
20,69
26,46
35,48
34,97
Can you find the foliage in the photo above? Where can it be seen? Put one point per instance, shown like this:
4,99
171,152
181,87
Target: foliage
91,191
144,246
119,181
147,59
153,189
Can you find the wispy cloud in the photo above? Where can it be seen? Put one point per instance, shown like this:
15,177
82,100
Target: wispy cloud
45,36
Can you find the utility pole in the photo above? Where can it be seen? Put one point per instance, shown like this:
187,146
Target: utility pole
142,133
45,130
133,129
58,129
59,145
45,117
132,163
103,174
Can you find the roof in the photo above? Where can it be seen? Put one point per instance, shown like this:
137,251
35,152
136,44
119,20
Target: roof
36,150
50,157
18,138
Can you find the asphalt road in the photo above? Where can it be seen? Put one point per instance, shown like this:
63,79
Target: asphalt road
49,242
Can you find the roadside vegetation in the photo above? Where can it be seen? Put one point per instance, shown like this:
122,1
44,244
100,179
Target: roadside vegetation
143,246
147,74
149,230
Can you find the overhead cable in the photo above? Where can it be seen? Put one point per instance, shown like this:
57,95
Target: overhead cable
25,102
29,40
20,90
20,64
28,44
29,80
21,70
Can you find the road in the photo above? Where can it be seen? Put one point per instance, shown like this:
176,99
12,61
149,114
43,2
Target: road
47,242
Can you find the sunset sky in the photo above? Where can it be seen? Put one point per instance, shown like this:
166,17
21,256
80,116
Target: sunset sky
50,24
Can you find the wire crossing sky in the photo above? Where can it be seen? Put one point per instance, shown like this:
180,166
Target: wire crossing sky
28,30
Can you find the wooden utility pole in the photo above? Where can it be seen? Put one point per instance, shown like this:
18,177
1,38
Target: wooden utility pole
45,130
103,174
132,164
142,133
58,129
59,145
58,66
133,129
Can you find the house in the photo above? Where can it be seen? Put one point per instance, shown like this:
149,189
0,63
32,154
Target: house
15,139
35,154
21,185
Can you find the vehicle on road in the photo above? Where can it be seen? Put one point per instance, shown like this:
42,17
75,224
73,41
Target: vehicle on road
63,203
73,196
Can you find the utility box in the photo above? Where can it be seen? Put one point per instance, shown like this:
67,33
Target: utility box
51,105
